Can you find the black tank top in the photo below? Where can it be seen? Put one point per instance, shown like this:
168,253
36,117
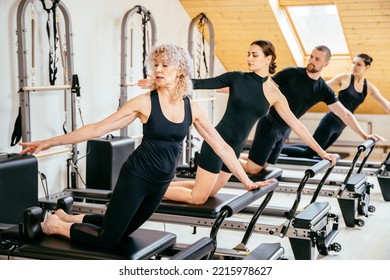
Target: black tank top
350,97
155,159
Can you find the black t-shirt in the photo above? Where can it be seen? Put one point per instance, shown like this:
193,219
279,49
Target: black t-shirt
301,91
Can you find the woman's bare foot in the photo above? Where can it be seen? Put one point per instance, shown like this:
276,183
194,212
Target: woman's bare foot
62,215
69,218
50,225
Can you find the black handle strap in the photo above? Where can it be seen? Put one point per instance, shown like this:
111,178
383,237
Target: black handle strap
17,133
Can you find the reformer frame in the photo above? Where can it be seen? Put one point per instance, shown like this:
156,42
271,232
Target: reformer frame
215,210
314,227
352,193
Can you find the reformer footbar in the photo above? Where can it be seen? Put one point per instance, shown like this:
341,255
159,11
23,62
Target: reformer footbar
26,241
353,193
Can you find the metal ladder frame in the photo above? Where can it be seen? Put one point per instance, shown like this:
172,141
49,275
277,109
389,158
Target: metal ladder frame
124,52
25,89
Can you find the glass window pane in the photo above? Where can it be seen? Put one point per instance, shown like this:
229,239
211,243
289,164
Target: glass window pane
318,25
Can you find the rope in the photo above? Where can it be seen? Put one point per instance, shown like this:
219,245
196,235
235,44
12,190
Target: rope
53,59
145,19
202,45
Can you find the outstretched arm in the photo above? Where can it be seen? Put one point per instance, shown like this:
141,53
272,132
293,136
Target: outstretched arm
221,148
123,117
375,93
349,119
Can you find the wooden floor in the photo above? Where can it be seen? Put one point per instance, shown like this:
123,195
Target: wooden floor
369,242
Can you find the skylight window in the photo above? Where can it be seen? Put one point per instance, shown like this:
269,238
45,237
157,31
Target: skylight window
318,25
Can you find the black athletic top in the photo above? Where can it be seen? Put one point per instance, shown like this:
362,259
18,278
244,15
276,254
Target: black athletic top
245,105
155,159
351,98
301,91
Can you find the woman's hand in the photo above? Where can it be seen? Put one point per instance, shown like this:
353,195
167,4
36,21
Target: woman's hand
259,184
376,137
146,83
35,147
331,157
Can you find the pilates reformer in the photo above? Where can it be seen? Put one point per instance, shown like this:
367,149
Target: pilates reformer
215,211
26,241
352,193
313,227
370,168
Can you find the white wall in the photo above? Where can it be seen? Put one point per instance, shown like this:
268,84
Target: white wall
96,26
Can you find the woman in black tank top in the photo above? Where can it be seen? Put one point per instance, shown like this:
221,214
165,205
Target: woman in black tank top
353,89
166,114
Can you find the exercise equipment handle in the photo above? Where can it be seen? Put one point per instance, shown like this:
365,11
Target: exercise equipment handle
367,144
319,167
247,198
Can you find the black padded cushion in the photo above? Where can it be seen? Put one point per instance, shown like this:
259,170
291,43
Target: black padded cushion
91,193
266,251
210,209
141,245
305,217
355,181
298,161
197,250
263,175
214,205
11,233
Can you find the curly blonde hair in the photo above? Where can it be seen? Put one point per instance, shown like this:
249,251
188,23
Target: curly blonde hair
175,55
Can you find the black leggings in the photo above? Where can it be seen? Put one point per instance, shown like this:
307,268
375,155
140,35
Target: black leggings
133,201
327,132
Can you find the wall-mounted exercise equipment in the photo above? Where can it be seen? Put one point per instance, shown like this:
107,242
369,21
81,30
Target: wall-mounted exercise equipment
148,29
60,48
203,59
